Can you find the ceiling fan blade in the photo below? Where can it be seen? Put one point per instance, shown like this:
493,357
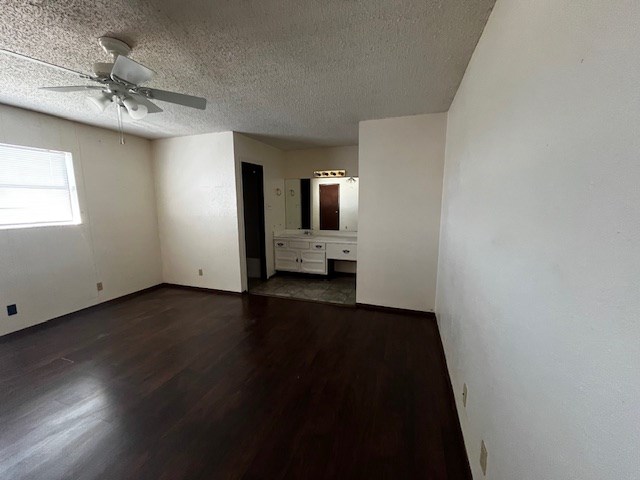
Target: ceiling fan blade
151,107
74,88
179,98
132,72
46,64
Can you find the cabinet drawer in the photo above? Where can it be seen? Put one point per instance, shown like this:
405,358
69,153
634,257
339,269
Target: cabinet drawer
342,251
280,244
318,246
298,245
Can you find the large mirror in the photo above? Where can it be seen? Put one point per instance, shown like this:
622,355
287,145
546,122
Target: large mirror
322,204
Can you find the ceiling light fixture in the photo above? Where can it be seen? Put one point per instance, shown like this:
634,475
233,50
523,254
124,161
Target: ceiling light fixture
120,82
99,103
329,173
136,110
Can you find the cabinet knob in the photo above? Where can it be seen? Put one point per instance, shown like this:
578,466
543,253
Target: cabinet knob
346,251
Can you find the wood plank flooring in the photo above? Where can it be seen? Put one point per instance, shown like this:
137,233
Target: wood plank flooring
179,384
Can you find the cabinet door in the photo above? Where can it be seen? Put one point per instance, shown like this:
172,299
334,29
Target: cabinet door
287,260
313,262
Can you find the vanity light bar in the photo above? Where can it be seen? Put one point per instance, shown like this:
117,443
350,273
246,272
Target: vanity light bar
330,173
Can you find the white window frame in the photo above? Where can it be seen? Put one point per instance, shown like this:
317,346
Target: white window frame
72,187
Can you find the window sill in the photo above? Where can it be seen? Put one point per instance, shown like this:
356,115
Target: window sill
38,225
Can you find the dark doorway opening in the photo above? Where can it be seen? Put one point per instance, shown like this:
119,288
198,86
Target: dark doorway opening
305,203
330,207
254,229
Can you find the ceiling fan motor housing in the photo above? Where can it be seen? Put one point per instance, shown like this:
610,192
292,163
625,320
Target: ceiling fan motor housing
102,69
114,47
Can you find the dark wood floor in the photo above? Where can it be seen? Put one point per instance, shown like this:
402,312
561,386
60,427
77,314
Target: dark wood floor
179,384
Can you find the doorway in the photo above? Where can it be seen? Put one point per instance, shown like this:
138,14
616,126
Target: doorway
305,203
330,207
315,256
254,229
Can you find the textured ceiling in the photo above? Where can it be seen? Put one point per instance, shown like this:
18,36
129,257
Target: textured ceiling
293,73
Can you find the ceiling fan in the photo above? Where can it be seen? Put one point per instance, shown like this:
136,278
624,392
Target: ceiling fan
119,83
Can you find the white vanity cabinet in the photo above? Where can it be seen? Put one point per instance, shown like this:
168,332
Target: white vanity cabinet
304,254
300,256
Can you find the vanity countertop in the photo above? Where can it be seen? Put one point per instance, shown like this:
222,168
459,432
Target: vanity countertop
347,237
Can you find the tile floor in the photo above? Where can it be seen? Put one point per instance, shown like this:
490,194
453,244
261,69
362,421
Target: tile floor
339,289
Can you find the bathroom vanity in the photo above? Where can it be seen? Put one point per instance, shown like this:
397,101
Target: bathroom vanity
322,225
300,252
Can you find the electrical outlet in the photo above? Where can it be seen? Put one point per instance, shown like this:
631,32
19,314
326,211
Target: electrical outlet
12,309
483,457
200,272
464,395
99,286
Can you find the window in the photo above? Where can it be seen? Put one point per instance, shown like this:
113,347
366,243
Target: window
37,188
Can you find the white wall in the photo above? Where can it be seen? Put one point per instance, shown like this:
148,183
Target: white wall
272,160
52,271
197,211
293,203
539,281
401,163
302,163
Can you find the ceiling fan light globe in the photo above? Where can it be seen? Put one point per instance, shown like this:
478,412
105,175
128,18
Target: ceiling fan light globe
136,110
126,118
139,113
98,103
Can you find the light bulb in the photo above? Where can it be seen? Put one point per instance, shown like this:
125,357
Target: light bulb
137,110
